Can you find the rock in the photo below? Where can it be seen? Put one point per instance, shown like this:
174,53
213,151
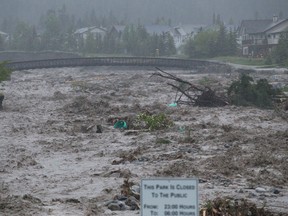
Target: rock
238,176
114,206
210,186
226,145
99,129
251,195
136,191
260,190
275,191
202,180
241,191
59,96
133,203
121,197
135,188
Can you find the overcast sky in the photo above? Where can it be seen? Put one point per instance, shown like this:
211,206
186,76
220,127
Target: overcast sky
179,11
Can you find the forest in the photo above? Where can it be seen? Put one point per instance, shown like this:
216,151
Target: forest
53,28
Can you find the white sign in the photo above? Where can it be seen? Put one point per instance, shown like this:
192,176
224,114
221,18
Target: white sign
169,197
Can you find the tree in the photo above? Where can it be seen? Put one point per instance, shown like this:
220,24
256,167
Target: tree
109,44
57,25
1,43
244,92
222,41
4,72
203,45
280,54
24,38
211,43
190,48
90,43
171,49
218,20
52,30
214,19
232,43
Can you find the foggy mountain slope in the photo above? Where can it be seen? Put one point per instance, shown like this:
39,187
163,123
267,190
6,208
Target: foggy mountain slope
185,11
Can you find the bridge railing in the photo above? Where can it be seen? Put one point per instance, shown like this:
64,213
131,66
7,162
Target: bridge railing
109,61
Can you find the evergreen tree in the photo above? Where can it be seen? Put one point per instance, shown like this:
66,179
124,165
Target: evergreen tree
90,44
24,38
214,19
232,43
1,43
221,44
280,54
170,45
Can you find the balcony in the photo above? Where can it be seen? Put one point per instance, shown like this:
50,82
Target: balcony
255,42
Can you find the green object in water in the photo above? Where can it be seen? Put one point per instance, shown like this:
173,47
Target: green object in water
173,105
182,129
120,124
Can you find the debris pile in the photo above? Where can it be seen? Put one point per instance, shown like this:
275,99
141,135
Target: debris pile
190,94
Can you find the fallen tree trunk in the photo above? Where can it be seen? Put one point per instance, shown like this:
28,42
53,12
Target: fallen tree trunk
191,94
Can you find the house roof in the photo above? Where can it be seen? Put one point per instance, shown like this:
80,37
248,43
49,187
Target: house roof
98,30
180,31
255,26
3,33
279,26
157,29
119,28
188,29
93,29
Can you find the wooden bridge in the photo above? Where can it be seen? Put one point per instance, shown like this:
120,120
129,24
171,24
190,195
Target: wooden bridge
111,61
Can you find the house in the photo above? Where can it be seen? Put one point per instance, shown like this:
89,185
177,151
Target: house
82,33
116,30
182,33
258,37
274,32
4,35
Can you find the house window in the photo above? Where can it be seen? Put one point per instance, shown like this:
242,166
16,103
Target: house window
245,50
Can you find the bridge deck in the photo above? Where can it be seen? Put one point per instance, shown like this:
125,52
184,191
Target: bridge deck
110,61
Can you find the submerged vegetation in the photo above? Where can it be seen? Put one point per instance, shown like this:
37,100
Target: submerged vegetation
4,72
154,122
244,92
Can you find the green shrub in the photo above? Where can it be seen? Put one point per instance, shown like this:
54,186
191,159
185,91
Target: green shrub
269,60
154,122
4,72
244,92
162,141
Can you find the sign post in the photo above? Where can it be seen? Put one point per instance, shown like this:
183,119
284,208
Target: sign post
169,197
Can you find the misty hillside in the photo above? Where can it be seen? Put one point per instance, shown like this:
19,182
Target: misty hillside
146,11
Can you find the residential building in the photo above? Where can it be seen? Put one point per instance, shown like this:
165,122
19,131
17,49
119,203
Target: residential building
258,37
182,33
116,30
82,33
4,35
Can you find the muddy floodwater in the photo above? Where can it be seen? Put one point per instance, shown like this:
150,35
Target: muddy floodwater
55,161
